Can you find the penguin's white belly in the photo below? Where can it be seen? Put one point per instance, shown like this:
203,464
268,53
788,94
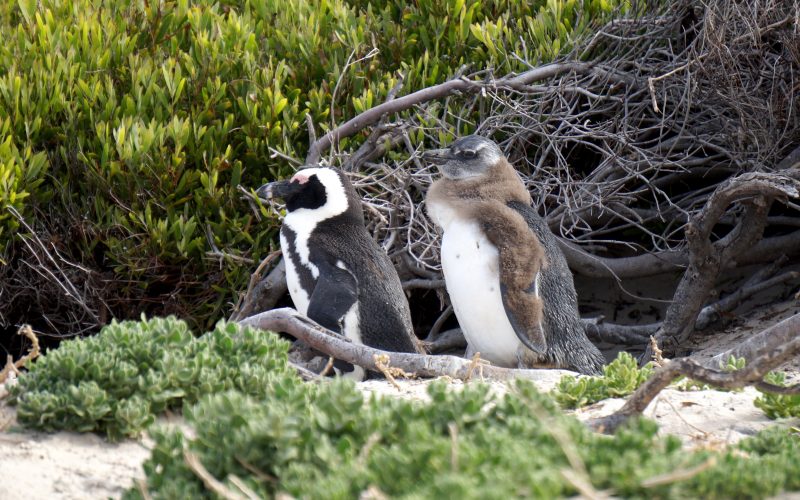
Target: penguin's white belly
471,271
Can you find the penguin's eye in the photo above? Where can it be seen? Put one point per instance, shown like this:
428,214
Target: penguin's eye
468,154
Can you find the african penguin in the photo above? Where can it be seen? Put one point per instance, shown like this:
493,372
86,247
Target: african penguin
336,273
508,281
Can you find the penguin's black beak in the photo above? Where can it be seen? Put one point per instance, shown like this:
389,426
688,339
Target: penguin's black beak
278,189
437,156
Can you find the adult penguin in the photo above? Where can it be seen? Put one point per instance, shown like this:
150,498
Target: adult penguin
508,281
336,273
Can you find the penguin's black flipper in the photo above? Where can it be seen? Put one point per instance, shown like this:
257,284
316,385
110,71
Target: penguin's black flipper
335,293
518,306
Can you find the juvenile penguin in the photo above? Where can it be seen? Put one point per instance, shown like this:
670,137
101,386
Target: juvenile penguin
336,273
508,281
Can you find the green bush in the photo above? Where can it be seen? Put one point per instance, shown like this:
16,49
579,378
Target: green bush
118,381
125,127
778,405
620,378
20,174
254,422
467,444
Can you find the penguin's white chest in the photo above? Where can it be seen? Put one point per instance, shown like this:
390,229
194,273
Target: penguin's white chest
471,271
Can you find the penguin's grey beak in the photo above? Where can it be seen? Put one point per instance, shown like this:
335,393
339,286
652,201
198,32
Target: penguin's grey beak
277,189
437,156
264,192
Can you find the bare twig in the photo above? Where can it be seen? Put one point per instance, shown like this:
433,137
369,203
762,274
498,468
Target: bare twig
439,323
450,87
679,475
248,302
33,353
210,481
263,294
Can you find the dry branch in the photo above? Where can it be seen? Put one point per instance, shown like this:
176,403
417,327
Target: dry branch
772,348
712,312
263,294
458,85
290,321
451,339
210,482
596,329
760,344
629,335
259,291
33,353
755,192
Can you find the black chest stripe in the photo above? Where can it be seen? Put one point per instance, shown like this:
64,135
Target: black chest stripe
307,280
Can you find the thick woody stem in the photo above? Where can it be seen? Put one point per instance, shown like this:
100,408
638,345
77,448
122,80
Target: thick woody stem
333,344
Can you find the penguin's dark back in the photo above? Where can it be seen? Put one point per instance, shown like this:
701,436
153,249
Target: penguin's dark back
385,318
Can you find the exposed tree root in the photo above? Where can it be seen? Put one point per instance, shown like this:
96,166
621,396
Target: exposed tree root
764,352
755,192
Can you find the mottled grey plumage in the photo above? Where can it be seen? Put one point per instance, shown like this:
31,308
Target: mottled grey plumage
567,344
480,202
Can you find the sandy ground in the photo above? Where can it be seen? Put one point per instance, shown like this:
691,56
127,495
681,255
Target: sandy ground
84,466
67,465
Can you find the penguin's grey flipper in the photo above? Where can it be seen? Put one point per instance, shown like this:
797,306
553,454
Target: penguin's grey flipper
524,311
334,294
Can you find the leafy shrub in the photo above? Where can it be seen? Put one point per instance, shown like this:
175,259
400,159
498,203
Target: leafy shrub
20,173
468,444
256,423
126,127
119,380
620,378
778,405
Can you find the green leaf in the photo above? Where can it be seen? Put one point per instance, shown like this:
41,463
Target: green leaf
27,8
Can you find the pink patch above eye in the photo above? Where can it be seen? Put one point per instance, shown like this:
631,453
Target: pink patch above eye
299,178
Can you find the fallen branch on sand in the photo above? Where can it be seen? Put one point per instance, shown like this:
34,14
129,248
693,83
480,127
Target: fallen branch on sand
333,344
764,352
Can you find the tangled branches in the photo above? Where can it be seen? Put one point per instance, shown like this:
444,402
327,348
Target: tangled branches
625,144
635,142
62,295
